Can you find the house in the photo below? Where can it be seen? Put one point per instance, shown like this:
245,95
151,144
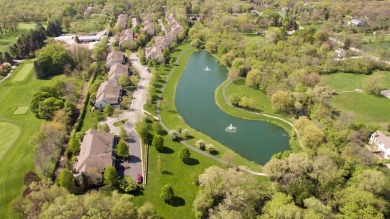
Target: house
115,57
134,22
125,36
356,23
149,29
116,71
154,53
382,142
122,20
96,151
109,92
341,53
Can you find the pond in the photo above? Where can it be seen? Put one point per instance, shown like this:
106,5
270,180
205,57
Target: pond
255,140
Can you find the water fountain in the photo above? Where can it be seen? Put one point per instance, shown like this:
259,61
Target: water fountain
231,128
207,69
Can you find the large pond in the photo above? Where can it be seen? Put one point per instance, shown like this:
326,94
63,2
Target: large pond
254,140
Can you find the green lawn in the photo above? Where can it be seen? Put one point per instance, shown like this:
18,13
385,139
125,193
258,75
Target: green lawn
347,81
21,110
8,135
366,108
10,39
22,73
19,157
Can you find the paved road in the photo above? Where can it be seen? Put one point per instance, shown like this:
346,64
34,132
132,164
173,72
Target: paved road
162,26
135,161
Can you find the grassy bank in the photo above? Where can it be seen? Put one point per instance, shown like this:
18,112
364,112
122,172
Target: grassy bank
263,104
172,118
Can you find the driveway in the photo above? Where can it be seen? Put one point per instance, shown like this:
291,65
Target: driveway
135,161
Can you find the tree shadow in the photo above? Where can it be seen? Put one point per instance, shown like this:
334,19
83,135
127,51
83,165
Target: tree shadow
214,152
189,137
166,150
166,172
138,192
191,161
178,201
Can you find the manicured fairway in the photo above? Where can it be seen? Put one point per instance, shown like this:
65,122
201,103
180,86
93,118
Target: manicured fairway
22,73
8,135
348,81
21,110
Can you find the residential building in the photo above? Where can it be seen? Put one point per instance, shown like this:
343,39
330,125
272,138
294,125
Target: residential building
96,151
109,92
115,57
116,71
382,142
154,53
122,20
125,36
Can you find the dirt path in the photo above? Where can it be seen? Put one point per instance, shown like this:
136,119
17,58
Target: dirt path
80,102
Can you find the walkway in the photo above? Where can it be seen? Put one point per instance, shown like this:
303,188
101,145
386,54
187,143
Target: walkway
185,143
261,114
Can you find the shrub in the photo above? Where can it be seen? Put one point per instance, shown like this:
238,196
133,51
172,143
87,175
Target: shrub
201,144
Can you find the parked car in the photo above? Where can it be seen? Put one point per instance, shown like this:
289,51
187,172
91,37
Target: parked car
139,178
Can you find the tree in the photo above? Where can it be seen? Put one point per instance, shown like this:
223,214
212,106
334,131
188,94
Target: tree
8,58
109,109
374,83
66,180
122,150
128,184
234,99
347,44
73,145
143,131
369,180
123,134
312,136
104,128
315,209
253,79
110,176
184,154
124,80
167,194
200,144
186,134
281,101
173,134
146,212
158,142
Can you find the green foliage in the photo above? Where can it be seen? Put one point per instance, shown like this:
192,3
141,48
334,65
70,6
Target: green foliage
66,180
281,101
122,150
110,176
128,184
167,194
158,142
52,60
184,154
143,130
123,134
109,110
173,134
73,145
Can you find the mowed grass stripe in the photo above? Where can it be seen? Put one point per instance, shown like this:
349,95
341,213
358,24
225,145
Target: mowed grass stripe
22,74
8,135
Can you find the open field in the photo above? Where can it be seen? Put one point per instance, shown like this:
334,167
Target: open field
347,81
22,73
366,108
21,110
10,39
19,157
